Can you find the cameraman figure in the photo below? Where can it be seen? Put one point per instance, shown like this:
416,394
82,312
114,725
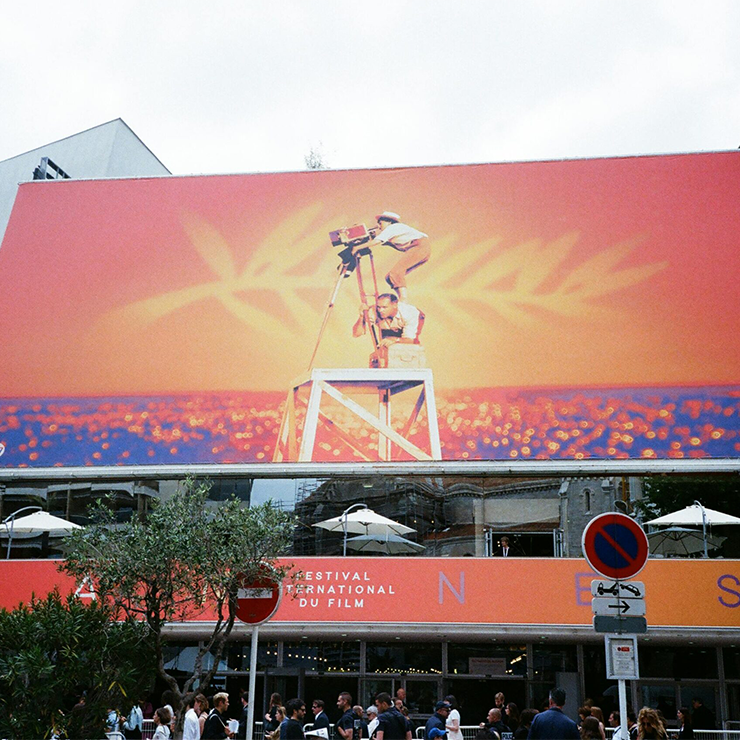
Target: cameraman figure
397,321
413,243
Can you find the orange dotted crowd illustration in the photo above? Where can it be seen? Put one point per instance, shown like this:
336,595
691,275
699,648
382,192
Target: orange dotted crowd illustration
474,424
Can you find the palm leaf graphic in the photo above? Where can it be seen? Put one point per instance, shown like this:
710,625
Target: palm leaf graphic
295,262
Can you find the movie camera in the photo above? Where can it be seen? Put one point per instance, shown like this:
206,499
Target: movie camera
350,237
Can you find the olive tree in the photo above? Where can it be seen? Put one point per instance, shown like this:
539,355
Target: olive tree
180,562
55,650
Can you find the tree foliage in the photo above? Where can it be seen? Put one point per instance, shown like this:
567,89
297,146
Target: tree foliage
180,562
53,650
666,493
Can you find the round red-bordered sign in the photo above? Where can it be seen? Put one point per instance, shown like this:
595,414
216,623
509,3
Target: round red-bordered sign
257,599
615,546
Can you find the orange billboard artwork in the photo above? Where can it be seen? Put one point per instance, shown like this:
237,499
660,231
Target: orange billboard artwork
569,309
457,590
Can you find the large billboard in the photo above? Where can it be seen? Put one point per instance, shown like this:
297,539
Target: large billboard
545,310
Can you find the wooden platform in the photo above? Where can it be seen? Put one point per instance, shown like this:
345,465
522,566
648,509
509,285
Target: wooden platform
340,385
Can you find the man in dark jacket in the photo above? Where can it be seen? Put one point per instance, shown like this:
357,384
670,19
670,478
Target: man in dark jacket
392,724
320,718
217,724
552,724
438,719
296,713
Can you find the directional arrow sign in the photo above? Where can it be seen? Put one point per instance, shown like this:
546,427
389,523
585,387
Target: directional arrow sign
625,589
615,607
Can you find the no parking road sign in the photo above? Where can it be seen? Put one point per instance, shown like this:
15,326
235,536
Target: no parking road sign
615,546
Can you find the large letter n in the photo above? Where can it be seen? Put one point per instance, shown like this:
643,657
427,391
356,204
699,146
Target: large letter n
459,595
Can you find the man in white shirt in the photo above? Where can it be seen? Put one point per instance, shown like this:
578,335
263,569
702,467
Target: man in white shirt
413,243
397,321
372,720
191,730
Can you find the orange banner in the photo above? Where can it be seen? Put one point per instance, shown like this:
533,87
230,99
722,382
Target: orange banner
572,309
550,591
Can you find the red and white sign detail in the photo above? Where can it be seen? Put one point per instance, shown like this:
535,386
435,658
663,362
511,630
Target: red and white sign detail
257,600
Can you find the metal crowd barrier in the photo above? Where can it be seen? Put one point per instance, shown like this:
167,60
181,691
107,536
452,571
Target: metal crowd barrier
470,731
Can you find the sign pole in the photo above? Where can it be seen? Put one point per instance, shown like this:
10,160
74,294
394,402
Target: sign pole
253,681
622,709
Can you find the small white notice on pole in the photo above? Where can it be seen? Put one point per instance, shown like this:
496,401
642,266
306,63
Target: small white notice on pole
621,657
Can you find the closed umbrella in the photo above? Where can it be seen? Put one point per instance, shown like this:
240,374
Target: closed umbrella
391,544
680,542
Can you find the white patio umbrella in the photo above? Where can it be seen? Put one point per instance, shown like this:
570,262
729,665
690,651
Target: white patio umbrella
37,523
363,521
696,515
680,541
391,544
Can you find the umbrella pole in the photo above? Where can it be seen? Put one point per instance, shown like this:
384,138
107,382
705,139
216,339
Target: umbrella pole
11,518
703,527
344,524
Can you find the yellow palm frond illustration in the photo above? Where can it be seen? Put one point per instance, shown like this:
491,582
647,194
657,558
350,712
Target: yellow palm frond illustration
480,280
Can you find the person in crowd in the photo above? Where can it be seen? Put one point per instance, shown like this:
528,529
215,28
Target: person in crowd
583,712
162,720
372,719
511,716
436,734
392,725
280,715
134,723
360,730
702,717
217,723
499,701
552,724
168,701
615,719
398,703
649,726
496,721
271,723
685,730
205,709
147,708
590,729
525,722
241,733
345,727
292,728
438,719
401,694
486,729
191,729
632,724
320,718
599,715
113,720
453,719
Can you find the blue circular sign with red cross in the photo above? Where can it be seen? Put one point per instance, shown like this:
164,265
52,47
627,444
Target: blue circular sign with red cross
615,546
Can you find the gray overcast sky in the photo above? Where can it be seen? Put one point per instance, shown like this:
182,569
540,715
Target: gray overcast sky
251,86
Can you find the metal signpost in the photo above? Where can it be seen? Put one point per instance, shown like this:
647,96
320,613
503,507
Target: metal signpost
257,601
616,547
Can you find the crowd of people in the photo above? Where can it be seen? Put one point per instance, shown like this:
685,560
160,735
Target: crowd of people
389,718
